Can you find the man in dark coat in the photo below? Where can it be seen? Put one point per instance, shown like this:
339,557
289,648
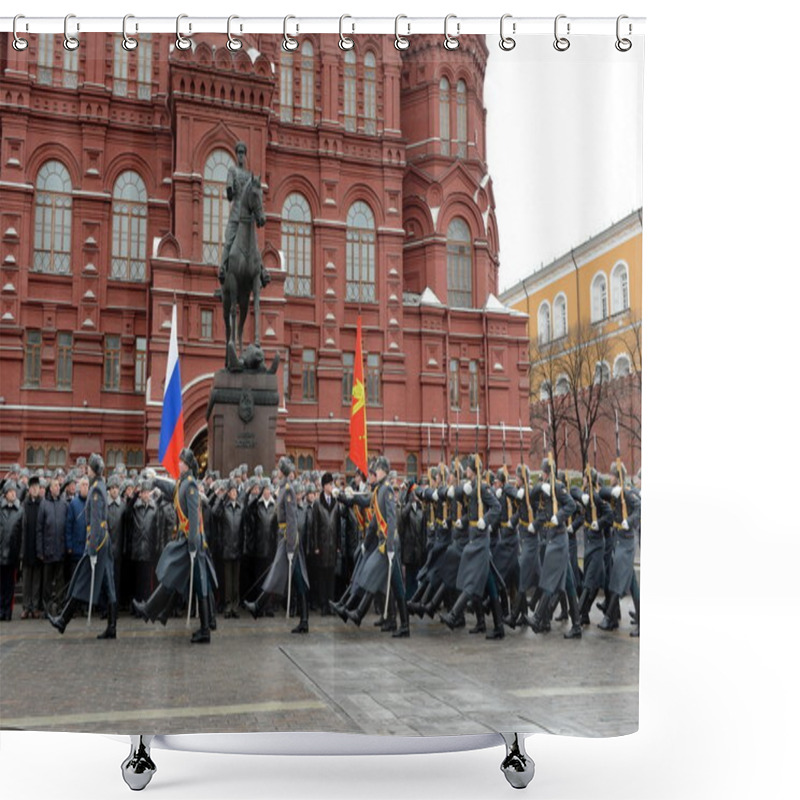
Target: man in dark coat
31,566
229,514
324,540
50,547
143,530
75,526
289,564
94,574
481,512
10,545
116,532
413,536
261,538
184,566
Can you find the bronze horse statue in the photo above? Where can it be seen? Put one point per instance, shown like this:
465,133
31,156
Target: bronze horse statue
243,277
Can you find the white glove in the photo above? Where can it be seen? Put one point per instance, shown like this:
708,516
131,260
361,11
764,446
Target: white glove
616,492
481,524
554,519
451,492
520,494
93,561
531,529
435,496
546,488
150,473
363,549
499,493
468,488
594,526
625,525
335,492
348,492
585,499
569,529
458,523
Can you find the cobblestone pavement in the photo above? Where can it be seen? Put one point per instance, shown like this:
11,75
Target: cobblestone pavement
256,676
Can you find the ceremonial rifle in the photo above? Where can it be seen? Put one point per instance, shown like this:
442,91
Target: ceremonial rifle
480,499
591,492
430,477
619,468
553,497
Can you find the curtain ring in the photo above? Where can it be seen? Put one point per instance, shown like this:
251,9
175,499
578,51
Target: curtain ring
400,42
181,42
70,42
128,43
561,43
345,42
506,42
18,43
451,42
233,44
289,44
623,45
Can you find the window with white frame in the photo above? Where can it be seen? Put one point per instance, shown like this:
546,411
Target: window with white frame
69,69
129,228
560,316
296,244
44,58
350,90
619,288
602,373
52,236
120,86
544,322
369,94
360,256
544,390
562,386
287,87
444,116
461,119
459,264
307,83
215,204
622,366
599,298
144,66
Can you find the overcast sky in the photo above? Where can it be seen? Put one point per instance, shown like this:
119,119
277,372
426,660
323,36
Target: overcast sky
564,144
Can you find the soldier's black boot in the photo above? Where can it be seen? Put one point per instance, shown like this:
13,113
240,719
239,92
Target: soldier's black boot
359,614
610,621
497,617
519,610
389,624
111,624
539,623
62,620
575,632
414,600
154,605
480,616
255,606
451,619
203,635
584,604
302,627
169,608
403,632
563,616
435,601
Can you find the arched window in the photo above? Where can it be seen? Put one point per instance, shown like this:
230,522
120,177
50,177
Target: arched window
296,244
44,58
599,298
360,253
444,115
544,322
129,243
53,226
619,288
350,90
412,465
307,83
369,93
562,386
602,373
287,87
459,264
622,366
544,390
215,204
560,316
461,119
120,86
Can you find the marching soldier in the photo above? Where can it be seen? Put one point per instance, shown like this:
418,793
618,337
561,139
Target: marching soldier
554,506
598,519
289,567
184,567
529,561
626,510
383,565
505,549
481,513
95,571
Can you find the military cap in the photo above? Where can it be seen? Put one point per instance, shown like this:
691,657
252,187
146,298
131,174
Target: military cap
146,485
545,468
616,473
311,488
10,486
382,463
470,463
71,478
96,464
24,473
286,465
14,468
326,479
133,473
125,485
244,468
113,481
59,473
81,461
258,471
187,456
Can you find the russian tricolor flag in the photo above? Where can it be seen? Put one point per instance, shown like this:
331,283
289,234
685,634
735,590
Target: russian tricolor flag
171,442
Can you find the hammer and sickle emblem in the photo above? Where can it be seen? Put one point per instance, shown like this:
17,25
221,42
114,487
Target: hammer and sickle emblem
358,396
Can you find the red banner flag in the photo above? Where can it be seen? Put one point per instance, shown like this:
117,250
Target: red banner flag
358,409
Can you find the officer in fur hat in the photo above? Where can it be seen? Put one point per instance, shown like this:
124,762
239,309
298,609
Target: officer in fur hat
95,570
289,564
184,560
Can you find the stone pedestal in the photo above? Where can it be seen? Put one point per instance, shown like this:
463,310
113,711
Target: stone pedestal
242,418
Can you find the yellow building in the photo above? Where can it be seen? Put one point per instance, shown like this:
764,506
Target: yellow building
585,330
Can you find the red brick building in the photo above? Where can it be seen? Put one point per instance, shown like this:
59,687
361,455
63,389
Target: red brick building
378,200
